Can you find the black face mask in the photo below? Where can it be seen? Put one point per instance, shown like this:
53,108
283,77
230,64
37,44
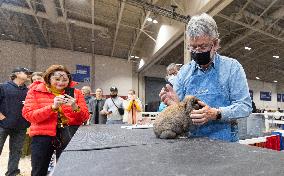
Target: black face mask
113,96
201,58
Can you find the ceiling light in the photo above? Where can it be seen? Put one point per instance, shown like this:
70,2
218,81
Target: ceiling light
132,56
149,19
247,48
3,34
79,47
275,81
141,63
277,57
136,57
155,21
257,77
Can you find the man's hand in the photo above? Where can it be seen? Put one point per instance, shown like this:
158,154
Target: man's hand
168,95
203,115
2,117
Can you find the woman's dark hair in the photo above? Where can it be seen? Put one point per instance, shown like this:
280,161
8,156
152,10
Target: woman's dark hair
36,74
54,68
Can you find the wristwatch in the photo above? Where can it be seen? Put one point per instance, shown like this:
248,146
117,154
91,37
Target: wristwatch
219,115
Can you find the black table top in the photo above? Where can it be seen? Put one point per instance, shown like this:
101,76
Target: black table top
109,150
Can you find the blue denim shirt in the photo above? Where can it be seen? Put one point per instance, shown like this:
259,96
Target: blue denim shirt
222,85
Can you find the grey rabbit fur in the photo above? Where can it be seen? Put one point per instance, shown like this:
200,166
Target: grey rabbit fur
175,120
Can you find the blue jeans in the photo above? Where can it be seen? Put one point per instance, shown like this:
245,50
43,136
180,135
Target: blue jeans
16,143
109,122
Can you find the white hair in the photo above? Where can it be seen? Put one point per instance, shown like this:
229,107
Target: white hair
171,67
202,25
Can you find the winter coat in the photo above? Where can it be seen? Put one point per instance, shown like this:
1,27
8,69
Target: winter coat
38,111
11,104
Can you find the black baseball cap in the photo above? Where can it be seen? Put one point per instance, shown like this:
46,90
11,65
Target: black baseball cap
113,89
22,69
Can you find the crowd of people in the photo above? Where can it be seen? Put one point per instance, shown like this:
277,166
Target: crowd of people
47,107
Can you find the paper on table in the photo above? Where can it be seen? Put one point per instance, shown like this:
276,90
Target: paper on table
137,126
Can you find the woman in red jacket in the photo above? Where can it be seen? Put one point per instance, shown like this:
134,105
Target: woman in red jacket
55,111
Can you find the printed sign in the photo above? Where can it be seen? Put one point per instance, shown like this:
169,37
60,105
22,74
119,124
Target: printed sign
82,73
265,96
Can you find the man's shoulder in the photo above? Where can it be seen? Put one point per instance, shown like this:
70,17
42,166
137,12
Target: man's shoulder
186,68
120,98
108,99
227,60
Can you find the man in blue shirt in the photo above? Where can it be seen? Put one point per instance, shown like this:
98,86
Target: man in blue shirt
218,81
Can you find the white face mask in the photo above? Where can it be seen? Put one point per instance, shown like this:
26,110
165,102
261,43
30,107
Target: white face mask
171,79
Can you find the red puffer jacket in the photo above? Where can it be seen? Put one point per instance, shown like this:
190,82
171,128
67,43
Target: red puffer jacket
37,110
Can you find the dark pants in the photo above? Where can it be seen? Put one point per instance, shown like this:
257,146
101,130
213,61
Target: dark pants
43,146
15,146
42,150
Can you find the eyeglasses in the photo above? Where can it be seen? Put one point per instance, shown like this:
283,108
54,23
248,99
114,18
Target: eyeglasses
203,47
57,76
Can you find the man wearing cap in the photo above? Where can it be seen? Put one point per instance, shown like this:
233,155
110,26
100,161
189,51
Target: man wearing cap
12,123
111,107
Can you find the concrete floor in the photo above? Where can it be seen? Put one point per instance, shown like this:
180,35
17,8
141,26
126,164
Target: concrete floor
24,166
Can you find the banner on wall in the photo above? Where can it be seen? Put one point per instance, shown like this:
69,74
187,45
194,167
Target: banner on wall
251,94
279,97
82,73
265,96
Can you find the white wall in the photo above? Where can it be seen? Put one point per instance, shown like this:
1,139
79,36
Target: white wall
113,72
108,71
13,54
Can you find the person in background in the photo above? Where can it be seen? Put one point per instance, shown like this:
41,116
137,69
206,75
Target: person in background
253,106
99,102
133,107
12,123
86,91
36,76
218,81
111,107
172,71
55,110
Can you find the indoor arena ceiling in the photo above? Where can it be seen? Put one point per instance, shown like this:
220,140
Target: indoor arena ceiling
258,26
119,28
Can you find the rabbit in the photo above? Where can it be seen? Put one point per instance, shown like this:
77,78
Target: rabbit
175,120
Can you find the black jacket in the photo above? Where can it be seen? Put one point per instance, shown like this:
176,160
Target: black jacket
11,104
